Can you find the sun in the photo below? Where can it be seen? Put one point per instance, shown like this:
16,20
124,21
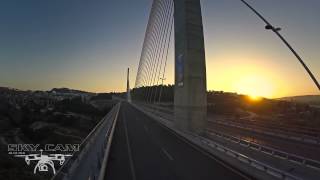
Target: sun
255,86
255,98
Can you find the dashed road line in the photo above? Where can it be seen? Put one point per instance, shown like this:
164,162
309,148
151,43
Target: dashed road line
167,154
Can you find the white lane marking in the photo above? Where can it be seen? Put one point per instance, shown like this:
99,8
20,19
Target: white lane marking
129,148
106,134
167,154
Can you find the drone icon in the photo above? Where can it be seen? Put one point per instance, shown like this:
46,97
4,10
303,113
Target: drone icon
44,161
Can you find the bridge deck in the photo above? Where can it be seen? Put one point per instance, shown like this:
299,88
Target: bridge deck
144,149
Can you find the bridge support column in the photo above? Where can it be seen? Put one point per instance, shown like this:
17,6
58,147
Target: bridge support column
128,87
190,98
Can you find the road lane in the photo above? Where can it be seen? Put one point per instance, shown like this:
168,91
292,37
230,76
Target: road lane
157,153
118,166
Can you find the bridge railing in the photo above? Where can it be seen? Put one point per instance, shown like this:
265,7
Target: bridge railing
91,159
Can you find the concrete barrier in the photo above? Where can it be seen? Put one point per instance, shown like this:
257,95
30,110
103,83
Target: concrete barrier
90,162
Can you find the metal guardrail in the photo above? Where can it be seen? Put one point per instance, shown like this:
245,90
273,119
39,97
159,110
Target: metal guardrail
270,151
90,161
252,162
273,133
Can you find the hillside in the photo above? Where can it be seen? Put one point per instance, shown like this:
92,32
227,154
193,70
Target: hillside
308,99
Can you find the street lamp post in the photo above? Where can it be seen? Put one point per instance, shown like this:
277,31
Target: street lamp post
276,31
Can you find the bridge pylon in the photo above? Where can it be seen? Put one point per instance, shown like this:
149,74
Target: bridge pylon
190,98
128,87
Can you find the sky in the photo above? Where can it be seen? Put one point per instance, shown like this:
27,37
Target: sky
88,45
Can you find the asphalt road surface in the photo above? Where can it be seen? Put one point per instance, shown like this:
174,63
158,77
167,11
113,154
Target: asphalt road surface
143,149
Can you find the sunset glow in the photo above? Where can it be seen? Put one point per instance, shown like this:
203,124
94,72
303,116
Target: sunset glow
255,98
241,56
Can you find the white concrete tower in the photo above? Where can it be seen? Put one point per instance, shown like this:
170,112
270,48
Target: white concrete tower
190,98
